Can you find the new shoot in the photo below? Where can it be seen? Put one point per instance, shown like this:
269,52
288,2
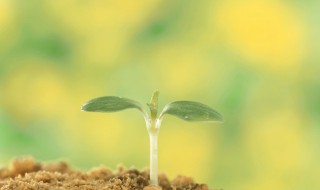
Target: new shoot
186,110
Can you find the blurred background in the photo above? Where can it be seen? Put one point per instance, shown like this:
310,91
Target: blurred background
257,62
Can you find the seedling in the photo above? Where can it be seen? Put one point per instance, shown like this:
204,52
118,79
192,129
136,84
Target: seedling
186,110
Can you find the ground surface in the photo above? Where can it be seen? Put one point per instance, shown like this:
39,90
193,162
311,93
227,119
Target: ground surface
26,174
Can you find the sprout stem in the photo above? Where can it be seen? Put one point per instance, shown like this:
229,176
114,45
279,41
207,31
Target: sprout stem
153,159
153,127
153,130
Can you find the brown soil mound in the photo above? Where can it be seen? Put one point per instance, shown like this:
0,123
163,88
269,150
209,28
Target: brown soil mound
26,174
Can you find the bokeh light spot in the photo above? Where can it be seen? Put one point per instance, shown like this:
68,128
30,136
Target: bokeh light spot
269,34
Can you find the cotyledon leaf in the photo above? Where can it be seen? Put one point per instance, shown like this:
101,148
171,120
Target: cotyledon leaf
191,111
111,104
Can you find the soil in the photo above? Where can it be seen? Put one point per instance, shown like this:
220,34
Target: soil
27,174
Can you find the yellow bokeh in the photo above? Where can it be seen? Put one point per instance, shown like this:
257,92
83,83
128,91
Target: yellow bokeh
102,29
103,134
6,24
6,14
277,146
186,150
34,90
270,34
181,68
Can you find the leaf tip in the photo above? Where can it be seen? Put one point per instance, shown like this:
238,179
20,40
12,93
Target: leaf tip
86,107
83,108
219,118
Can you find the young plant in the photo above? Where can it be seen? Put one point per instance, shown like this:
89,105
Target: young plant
186,110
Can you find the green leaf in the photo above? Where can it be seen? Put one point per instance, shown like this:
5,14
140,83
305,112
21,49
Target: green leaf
192,111
111,104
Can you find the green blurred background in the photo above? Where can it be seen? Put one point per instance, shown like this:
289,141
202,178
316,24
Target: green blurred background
257,62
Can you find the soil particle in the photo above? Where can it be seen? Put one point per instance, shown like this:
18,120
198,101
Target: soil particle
26,174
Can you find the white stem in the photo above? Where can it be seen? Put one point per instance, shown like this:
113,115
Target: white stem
153,159
153,129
